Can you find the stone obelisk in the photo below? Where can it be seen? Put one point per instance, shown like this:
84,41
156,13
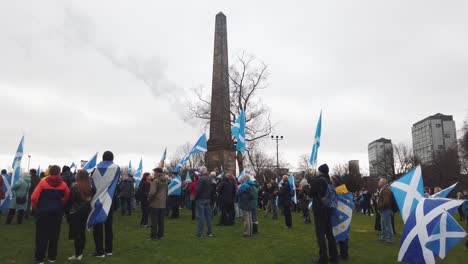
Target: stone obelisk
221,150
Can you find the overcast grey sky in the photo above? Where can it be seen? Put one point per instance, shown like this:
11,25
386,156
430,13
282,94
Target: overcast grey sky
78,77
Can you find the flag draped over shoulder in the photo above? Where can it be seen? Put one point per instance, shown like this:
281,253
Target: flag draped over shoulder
419,226
316,144
104,178
445,192
238,130
408,191
89,166
163,158
175,187
199,147
342,216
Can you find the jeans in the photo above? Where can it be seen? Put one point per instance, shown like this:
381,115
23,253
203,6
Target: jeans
274,208
157,223
126,205
248,224
205,214
386,225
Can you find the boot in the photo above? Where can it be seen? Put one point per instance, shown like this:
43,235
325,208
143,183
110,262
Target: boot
255,228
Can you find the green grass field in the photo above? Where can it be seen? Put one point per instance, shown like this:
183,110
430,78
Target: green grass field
273,244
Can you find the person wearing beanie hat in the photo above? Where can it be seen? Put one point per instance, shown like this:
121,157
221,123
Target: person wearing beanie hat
322,216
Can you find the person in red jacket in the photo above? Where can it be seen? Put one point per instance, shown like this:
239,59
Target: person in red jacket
193,191
48,200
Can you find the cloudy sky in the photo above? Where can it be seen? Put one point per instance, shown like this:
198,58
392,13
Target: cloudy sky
77,77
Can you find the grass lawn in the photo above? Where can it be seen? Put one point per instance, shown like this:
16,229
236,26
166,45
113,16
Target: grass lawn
273,244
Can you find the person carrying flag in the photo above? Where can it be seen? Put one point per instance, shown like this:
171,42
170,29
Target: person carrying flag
341,217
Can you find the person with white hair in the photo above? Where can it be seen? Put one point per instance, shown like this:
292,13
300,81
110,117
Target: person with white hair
245,198
203,196
384,205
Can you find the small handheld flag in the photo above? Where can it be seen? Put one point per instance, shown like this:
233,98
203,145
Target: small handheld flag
238,130
89,166
316,144
199,147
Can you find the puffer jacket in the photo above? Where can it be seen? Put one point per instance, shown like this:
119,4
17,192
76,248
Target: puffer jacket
50,195
245,195
20,190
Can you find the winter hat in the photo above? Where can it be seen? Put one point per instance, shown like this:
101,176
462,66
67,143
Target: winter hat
324,169
337,179
108,156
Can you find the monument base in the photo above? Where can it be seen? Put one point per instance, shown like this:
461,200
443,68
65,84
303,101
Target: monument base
225,158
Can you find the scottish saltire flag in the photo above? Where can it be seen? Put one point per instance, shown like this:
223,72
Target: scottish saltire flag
139,172
72,165
163,158
17,163
445,192
187,176
105,178
38,171
5,203
341,218
446,234
316,144
238,130
419,225
408,191
293,189
175,187
199,147
89,166
129,171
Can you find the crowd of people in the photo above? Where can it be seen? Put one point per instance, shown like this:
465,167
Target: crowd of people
60,195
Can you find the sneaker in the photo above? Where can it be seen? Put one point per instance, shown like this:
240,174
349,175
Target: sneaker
75,257
51,260
108,254
210,235
388,241
99,255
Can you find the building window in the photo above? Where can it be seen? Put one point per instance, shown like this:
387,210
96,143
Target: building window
438,125
447,135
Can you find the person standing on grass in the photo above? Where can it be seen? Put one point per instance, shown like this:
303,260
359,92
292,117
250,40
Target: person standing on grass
319,188
304,200
285,194
48,199
157,198
35,179
203,198
193,193
384,205
339,229
79,207
173,202
142,197
245,198
19,201
126,193
227,194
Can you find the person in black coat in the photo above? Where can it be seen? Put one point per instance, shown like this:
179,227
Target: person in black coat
142,197
322,216
227,194
285,194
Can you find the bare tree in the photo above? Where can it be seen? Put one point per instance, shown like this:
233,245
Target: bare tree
340,169
304,166
248,76
463,148
194,161
404,157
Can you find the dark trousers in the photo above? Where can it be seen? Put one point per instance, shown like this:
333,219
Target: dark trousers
343,248
157,223
174,206
323,229
47,234
287,215
126,205
227,213
11,215
274,208
98,230
77,231
194,209
144,212
306,214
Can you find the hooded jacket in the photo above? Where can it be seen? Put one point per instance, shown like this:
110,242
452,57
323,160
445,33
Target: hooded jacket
51,194
20,190
245,195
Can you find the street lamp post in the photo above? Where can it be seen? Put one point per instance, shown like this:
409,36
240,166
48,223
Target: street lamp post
277,139
29,161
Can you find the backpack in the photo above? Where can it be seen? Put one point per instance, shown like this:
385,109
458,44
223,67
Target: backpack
330,200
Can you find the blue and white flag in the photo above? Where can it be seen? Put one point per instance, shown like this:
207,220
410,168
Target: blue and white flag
105,178
199,147
341,218
187,176
238,130
445,192
446,234
72,165
316,144
5,203
163,159
408,191
17,163
89,166
129,171
38,171
239,178
139,172
419,225
175,187
293,189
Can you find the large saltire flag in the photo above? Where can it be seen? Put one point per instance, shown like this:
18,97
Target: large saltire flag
17,163
419,225
139,172
129,171
163,159
104,178
199,147
446,234
408,191
445,192
238,130
175,187
342,216
293,189
89,166
316,144
5,203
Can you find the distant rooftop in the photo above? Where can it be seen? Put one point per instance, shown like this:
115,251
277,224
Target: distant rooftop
381,140
437,116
